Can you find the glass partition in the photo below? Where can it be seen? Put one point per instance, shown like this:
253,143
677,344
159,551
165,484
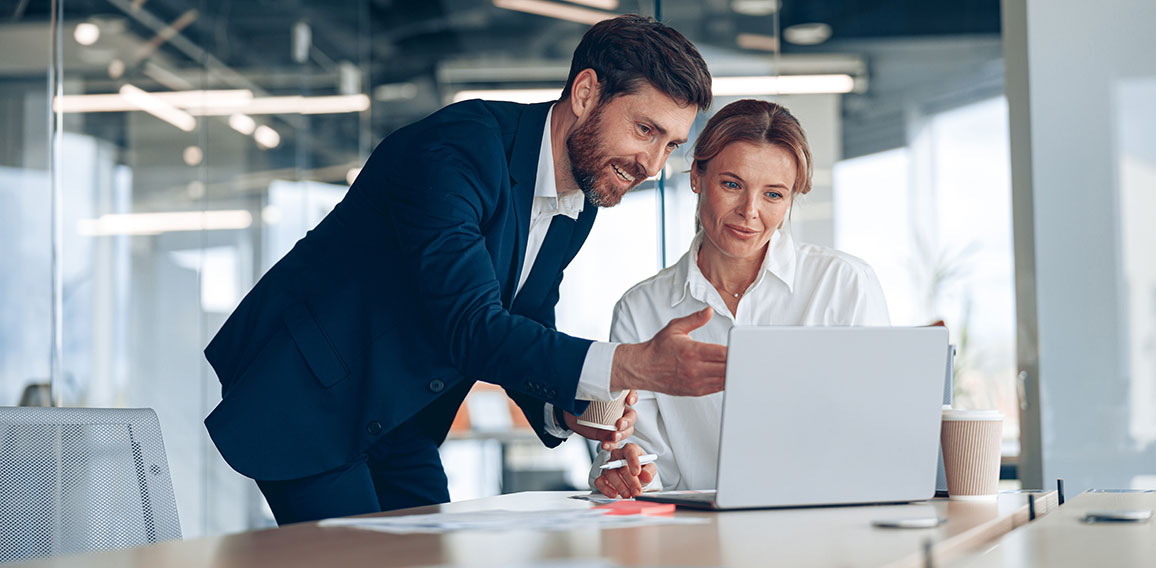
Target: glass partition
1083,170
194,143
189,144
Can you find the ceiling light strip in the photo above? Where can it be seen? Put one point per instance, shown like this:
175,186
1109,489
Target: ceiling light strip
166,222
266,137
214,103
600,4
555,10
525,96
782,85
722,87
757,41
336,104
116,102
158,108
242,123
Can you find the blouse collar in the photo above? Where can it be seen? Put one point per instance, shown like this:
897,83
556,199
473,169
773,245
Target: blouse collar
779,262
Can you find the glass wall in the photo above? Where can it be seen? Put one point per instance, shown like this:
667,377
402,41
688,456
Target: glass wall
184,148
1084,170
26,237
156,158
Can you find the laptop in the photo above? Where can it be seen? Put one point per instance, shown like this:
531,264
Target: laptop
827,416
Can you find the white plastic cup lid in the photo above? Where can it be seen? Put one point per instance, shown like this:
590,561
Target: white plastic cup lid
958,414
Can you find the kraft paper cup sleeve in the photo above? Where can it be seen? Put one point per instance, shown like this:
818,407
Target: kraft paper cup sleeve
604,415
971,453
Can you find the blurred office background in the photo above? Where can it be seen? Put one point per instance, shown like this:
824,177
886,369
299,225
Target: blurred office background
157,156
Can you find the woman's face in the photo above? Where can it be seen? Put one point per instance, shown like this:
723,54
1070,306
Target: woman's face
745,193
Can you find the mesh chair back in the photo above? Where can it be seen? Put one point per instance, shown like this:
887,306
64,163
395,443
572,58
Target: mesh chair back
81,479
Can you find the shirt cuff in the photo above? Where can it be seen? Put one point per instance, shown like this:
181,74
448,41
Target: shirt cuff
554,429
594,382
655,484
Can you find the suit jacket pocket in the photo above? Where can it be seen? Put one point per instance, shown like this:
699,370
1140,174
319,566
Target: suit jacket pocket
315,346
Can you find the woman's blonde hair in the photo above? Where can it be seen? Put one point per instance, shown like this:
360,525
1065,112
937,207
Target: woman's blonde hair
758,122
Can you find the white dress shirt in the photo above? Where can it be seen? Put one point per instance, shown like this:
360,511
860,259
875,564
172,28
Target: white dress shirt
594,381
798,284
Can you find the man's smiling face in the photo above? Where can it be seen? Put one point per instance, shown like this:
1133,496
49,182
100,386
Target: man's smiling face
621,142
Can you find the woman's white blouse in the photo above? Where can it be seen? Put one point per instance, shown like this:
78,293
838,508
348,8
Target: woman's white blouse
798,284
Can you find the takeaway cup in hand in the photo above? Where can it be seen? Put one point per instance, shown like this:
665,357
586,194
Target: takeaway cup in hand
604,415
971,440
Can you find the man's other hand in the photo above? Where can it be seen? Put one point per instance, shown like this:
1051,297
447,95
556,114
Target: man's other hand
672,362
609,439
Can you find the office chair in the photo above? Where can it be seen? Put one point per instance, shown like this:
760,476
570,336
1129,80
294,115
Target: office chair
81,479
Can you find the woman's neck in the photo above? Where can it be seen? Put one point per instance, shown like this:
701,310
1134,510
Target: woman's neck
729,275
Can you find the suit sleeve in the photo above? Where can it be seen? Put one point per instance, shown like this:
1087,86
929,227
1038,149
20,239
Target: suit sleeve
535,412
447,185
533,408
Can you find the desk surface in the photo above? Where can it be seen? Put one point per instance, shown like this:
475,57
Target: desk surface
831,536
1061,539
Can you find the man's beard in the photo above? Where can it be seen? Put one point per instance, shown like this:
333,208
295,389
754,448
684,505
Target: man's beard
587,161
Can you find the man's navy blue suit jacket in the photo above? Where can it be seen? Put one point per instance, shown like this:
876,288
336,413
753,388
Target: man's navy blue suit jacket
400,299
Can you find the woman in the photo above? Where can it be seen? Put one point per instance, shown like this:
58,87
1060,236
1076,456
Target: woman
750,163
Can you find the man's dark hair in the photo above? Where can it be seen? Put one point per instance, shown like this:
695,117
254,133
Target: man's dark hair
629,49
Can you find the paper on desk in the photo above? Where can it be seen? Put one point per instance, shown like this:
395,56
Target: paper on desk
551,563
595,498
503,520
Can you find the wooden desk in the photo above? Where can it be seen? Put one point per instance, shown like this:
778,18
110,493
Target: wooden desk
1061,539
832,536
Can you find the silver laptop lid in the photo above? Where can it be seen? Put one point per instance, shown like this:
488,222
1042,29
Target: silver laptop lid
830,415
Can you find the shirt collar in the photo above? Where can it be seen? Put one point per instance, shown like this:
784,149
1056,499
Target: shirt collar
546,195
779,262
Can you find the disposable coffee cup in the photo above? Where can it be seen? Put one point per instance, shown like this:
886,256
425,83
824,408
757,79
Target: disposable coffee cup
971,440
604,415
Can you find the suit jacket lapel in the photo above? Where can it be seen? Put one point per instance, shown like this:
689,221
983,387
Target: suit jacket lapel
523,173
547,265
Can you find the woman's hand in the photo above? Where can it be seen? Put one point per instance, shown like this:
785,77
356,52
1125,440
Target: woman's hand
626,481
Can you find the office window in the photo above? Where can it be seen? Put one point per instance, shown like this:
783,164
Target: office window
934,221
622,250
1136,166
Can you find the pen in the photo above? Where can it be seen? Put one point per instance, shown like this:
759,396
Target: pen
642,460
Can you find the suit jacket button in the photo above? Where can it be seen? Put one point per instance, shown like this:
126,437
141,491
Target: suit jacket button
437,385
374,428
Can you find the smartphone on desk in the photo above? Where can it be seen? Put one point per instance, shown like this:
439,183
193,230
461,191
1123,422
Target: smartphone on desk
1117,516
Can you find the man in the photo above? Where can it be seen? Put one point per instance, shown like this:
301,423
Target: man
343,368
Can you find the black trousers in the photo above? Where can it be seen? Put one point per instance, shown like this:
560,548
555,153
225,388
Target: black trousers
402,470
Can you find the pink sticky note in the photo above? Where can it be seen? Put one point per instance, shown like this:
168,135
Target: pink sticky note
625,507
